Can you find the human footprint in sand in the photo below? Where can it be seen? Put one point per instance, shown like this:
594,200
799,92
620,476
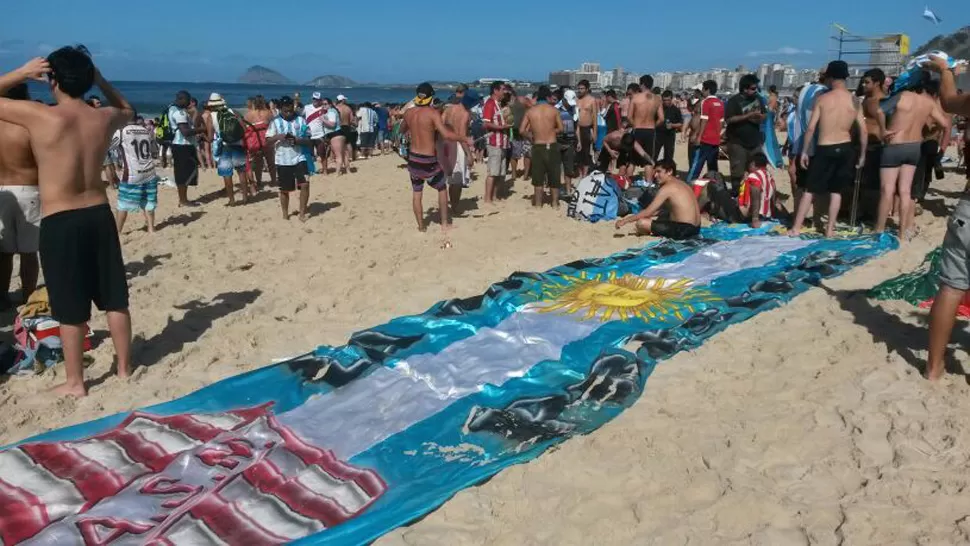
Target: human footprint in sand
79,248
423,122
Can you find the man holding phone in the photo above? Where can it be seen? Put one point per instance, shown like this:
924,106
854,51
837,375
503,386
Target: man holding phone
289,133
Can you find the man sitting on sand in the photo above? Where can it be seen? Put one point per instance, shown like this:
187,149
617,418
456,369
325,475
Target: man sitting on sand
685,216
543,125
422,123
289,133
19,205
79,248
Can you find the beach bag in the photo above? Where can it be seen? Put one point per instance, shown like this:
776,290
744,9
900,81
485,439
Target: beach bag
596,198
164,132
230,128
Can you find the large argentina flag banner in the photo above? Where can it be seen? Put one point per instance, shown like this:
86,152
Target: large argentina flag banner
341,445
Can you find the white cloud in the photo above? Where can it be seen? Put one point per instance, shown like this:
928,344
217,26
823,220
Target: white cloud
786,50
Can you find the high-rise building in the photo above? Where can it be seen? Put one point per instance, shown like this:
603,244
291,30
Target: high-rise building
592,77
619,77
662,79
563,78
590,67
606,79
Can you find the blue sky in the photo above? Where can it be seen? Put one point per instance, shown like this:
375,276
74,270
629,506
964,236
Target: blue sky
216,41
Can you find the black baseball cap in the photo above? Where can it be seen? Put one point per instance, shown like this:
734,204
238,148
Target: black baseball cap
837,70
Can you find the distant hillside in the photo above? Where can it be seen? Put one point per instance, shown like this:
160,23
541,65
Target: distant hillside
331,81
956,44
264,76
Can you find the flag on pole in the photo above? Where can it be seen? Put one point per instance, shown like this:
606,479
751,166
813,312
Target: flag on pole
930,16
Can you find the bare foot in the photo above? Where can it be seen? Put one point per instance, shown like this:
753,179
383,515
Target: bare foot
77,391
934,376
422,229
794,233
151,230
303,218
286,216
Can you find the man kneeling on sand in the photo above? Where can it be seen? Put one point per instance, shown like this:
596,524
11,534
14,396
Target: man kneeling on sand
684,221
79,249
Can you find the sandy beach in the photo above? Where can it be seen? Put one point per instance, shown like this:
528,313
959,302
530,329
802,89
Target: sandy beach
808,424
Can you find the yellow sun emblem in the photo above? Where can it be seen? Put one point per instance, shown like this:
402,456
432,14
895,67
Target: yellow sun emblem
626,297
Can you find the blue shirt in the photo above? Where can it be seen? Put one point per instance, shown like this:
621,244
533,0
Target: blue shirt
382,116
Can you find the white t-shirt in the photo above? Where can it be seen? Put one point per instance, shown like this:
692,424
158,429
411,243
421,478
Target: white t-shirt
288,155
136,152
366,120
177,116
314,118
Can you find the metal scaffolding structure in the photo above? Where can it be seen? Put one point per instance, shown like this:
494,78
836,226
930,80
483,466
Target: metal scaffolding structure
888,51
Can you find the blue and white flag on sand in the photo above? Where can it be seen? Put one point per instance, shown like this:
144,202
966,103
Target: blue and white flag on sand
930,16
341,445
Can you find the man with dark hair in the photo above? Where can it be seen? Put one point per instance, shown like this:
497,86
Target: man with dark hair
900,157
79,248
646,112
684,221
613,115
834,164
521,147
873,89
289,133
497,139
543,124
586,110
744,113
19,205
620,147
707,138
457,158
423,123
673,123
184,158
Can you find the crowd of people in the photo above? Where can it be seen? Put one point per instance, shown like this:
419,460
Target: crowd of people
80,147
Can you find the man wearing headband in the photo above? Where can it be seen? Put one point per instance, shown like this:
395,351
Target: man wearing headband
422,123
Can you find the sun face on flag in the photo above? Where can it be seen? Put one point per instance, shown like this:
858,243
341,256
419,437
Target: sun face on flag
625,297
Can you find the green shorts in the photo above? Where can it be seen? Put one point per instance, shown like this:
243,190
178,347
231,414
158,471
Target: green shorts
546,165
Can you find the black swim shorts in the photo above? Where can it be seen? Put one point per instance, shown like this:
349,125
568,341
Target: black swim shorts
585,158
185,164
648,141
291,177
832,168
82,262
674,230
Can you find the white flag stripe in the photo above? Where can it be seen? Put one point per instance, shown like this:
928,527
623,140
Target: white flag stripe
224,421
349,495
190,531
353,418
170,440
110,455
60,496
267,511
727,257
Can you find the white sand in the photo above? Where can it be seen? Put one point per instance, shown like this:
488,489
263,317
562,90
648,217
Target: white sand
804,425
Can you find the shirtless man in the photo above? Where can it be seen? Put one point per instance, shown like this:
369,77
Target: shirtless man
833,167
901,155
587,126
457,158
423,123
625,150
646,112
873,89
543,124
341,146
685,215
19,205
79,247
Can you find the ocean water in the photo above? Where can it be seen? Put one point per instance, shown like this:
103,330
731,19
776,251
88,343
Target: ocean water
151,98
